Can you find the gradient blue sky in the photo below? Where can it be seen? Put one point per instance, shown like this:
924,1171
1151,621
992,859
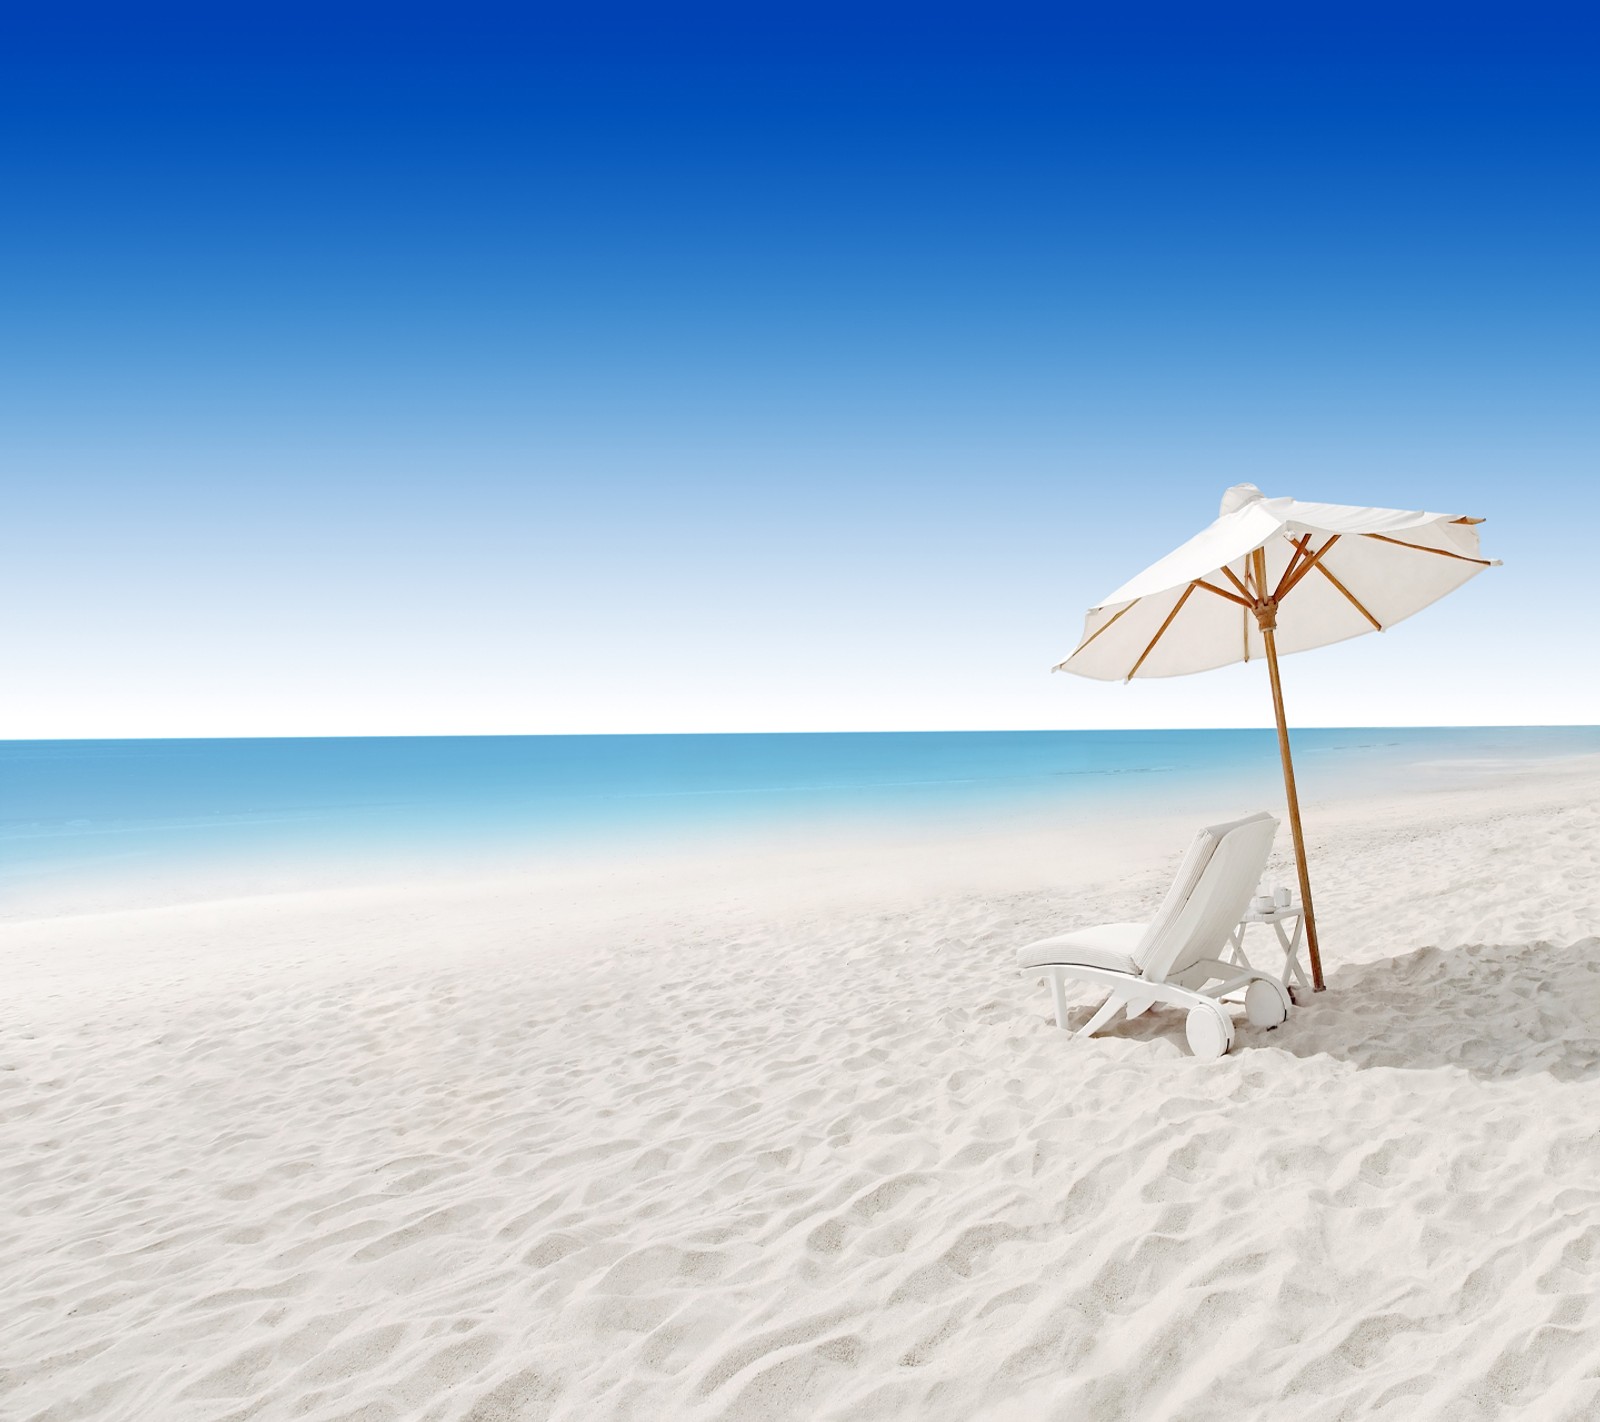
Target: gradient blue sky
398,369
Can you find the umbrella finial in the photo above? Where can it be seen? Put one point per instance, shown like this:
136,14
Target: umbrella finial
1238,496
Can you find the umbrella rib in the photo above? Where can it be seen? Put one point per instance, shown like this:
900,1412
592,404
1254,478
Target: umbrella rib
1314,561
1355,602
1244,616
1097,631
1220,592
1299,547
1177,607
1423,548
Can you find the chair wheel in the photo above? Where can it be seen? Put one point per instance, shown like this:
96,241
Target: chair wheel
1210,1033
1262,1005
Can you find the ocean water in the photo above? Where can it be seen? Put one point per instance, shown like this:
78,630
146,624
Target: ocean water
94,824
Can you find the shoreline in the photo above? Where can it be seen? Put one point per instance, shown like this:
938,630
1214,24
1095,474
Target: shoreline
286,832
787,846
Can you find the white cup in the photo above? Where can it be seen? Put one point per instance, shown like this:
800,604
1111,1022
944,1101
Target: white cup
1281,897
1263,903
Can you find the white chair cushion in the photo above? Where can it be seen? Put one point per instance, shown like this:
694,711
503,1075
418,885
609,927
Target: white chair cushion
1159,947
1109,945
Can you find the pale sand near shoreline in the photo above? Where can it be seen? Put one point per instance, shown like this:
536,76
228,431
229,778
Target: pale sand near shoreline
796,1141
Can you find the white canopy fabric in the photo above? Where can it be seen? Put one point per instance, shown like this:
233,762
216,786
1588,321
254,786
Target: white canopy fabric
1334,571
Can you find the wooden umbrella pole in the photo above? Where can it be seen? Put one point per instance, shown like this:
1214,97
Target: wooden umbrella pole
1270,637
1266,610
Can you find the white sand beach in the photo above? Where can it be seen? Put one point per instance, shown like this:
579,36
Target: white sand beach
786,1136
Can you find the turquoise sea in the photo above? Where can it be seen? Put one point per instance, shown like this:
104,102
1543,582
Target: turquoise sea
93,823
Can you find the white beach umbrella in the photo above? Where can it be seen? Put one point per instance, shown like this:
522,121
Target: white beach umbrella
1271,576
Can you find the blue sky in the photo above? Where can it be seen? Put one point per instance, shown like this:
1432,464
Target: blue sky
398,369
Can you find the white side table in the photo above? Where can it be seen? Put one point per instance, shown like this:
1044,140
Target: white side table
1279,919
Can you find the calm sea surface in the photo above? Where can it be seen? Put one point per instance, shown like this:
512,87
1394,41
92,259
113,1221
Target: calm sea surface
79,816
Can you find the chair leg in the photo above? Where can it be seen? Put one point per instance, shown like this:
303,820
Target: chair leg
1058,994
1108,1009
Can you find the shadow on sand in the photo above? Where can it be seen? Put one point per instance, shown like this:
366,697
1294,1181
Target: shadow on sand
1495,1010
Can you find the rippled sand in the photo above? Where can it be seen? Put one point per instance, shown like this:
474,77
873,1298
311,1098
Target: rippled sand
796,1141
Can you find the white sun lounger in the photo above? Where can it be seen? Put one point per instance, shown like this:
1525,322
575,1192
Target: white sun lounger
1175,958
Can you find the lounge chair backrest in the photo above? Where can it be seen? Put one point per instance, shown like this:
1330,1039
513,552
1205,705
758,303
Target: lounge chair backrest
1214,884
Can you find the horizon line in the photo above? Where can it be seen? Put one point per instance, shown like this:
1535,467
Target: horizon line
925,731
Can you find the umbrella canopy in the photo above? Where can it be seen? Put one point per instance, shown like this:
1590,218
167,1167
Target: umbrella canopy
1271,576
1333,571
